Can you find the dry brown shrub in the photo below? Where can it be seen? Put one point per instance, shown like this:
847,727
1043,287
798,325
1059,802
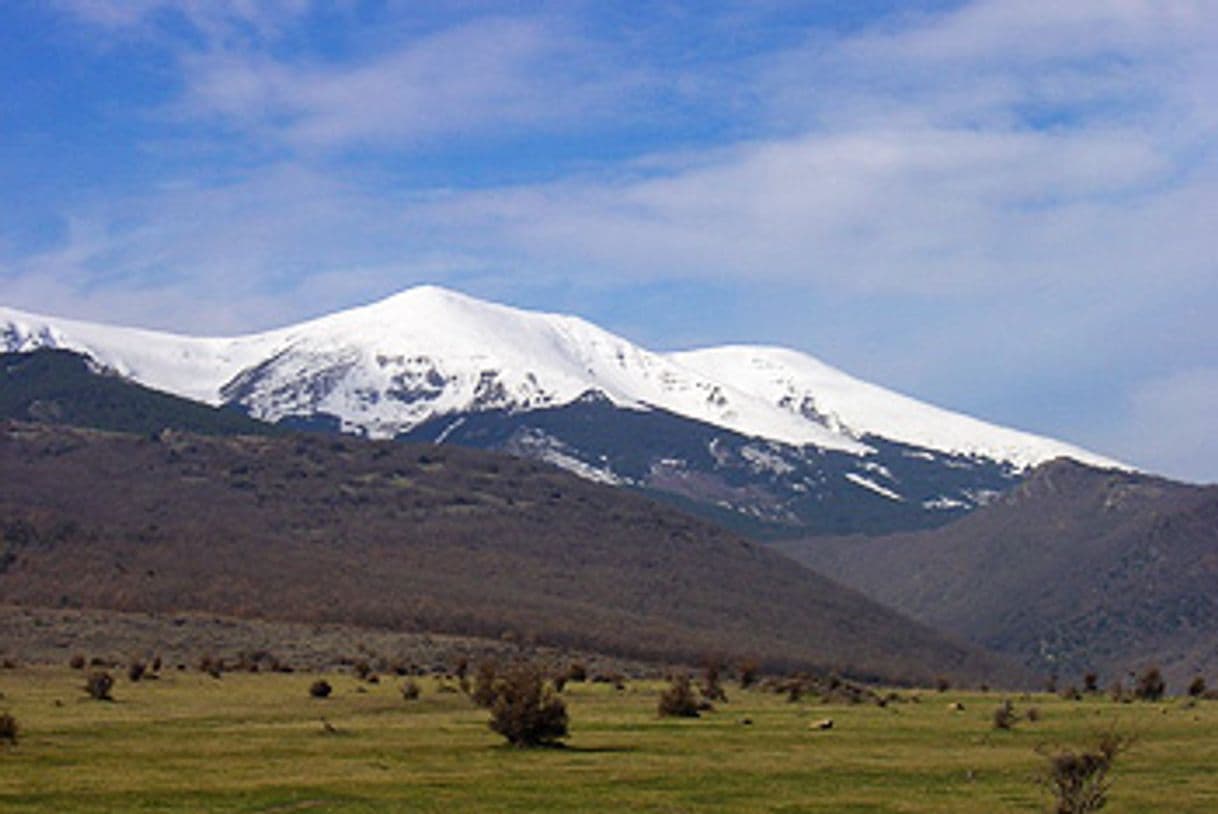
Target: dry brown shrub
320,689
526,710
98,685
1079,780
679,699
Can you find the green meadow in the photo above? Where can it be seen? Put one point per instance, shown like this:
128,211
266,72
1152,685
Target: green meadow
259,743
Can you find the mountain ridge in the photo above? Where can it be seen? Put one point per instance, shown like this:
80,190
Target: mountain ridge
782,442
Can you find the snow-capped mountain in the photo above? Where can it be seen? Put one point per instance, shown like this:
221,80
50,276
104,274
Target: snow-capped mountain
766,433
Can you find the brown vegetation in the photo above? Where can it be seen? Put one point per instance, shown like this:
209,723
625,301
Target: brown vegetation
402,538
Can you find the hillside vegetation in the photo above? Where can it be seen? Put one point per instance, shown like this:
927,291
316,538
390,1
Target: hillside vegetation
421,538
1076,569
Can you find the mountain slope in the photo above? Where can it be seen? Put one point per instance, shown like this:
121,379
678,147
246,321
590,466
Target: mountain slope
391,535
61,387
1077,568
786,444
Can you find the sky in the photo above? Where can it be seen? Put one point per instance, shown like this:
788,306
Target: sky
1004,207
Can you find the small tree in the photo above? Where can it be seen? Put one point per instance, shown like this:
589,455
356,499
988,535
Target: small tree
1196,687
526,710
1150,686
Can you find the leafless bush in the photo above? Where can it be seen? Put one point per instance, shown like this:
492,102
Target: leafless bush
1150,686
484,684
748,673
98,685
1079,781
8,729
1004,716
526,710
679,699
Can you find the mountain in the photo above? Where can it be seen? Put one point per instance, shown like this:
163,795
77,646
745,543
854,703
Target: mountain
402,537
63,387
772,441
1076,569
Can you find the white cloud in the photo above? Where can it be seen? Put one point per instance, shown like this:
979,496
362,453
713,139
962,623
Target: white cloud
483,78
1170,425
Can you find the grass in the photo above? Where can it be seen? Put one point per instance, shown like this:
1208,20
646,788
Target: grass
257,743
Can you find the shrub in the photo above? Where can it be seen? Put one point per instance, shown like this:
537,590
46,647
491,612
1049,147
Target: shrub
1150,686
1091,683
1078,781
410,690
98,685
8,729
577,672
1033,714
748,673
77,662
136,670
362,670
484,684
526,710
679,700
711,689
1196,687
320,688
1004,716
942,684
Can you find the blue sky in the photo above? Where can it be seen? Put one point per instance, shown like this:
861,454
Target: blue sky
1006,207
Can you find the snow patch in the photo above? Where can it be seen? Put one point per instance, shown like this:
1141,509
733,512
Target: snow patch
859,480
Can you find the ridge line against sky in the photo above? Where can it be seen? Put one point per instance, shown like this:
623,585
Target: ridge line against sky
1002,207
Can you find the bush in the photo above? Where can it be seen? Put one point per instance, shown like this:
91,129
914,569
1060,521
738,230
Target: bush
484,684
136,670
711,689
410,690
8,729
942,684
1091,683
320,688
1150,686
679,700
1196,687
748,673
577,672
526,710
1078,781
1004,716
98,685
77,662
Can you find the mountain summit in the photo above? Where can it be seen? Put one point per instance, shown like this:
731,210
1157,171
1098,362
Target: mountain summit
764,434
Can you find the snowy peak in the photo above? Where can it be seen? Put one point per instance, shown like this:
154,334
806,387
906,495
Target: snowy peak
385,368
805,386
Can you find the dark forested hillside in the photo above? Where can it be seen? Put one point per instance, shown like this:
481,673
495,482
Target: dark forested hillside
62,387
414,537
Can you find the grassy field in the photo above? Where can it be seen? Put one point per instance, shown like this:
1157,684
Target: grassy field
257,743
